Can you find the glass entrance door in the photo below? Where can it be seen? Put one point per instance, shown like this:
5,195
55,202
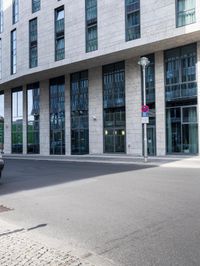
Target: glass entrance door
57,144
182,130
114,140
151,140
80,142
79,134
114,130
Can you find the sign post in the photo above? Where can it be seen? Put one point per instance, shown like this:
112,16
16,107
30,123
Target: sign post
144,62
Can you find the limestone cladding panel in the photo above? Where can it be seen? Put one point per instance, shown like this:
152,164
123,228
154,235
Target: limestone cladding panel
7,126
157,24
198,91
95,111
160,104
133,107
67,116
44,118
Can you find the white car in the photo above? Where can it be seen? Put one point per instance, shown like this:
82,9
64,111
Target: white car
1,164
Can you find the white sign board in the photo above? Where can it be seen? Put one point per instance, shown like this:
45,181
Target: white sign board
145,120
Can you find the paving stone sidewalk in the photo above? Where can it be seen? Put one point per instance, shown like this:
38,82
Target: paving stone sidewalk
18,249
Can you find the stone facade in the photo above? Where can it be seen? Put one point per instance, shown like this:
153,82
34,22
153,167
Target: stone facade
158,33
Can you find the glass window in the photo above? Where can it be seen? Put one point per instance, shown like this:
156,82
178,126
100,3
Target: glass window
35,5
17,120
180,73
57,116
91,25
185,12
15,11
79,113
1,121
132,19
33,118
59,34
114,107
33,44
0,59
181,99
1,16
13,52
114,82
190,114
182,130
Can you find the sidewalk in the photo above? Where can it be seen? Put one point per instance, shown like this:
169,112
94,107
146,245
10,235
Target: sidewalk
17,248
183,161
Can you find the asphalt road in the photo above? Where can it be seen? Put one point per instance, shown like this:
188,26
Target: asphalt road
126,214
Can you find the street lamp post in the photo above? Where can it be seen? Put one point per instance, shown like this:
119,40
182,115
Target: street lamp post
144,62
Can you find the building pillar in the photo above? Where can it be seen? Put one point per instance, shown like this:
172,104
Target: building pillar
133,107
67,116
160,104
198,93
44,118
24,121
7,121
95,111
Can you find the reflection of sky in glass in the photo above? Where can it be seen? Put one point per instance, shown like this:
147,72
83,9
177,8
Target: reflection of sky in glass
17,105
60,15
1,105
33,104
30,104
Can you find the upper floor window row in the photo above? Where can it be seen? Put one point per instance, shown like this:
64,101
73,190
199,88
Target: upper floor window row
1,16
59,33
186,13
13,52
35,5
132,19
91,25
15,11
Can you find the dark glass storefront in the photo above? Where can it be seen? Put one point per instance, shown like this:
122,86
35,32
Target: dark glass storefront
17,120
79,113
33,118
114,108
57,115
181,100
1,121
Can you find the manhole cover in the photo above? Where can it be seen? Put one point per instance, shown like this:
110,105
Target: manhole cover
4,209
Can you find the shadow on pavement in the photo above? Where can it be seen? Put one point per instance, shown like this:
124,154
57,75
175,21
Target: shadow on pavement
19,175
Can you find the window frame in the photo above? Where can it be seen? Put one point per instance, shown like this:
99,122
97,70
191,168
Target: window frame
177,16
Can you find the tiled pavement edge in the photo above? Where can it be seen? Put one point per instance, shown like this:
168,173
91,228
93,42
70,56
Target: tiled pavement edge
17,248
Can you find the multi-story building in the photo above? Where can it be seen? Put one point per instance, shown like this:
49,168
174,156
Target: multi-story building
71,84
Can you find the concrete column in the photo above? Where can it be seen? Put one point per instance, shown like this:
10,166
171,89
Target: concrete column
95,111
7,121
198,92
160,104
67,116
24,121
44,118
133,107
